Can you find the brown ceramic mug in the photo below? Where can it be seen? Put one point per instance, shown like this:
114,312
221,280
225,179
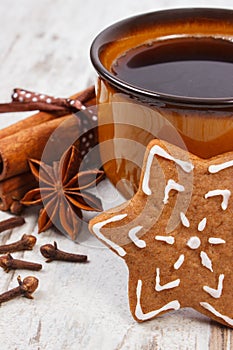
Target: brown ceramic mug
131,115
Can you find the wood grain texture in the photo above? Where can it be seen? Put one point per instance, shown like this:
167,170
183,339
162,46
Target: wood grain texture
45,47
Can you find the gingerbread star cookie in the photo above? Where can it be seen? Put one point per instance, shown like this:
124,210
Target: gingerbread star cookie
176,234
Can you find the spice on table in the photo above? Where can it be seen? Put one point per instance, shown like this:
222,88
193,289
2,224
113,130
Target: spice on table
51,252
11,223
28,138
8,263
16,207
63,193
12,191
28,142
24,100
25,289
35,132
86,97
26,242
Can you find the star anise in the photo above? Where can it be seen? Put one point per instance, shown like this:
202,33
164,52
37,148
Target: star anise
62,192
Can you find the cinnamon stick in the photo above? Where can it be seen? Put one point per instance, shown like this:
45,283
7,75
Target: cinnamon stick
16,207
12,190
16,149
86,96
27,143
26,139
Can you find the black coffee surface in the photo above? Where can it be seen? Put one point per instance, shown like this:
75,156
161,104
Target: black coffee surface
190,67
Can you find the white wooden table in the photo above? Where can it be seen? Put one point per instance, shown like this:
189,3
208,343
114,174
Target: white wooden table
44,46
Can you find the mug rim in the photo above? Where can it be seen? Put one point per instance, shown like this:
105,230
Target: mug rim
109,34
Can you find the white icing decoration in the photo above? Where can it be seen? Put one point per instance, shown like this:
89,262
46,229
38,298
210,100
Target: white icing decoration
211,309
166,239
206,262
171,185
202,225
184,219
96,229
215,240
179,262
168,285
172,305
224,193
216,168
215,293
194,242
186,166
28,95
132,235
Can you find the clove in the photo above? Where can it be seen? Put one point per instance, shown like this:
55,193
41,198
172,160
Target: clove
8,263
16,207
51,252
11,223
26,242
26,288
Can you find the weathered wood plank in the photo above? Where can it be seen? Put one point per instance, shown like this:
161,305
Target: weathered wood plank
45,47
221,338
